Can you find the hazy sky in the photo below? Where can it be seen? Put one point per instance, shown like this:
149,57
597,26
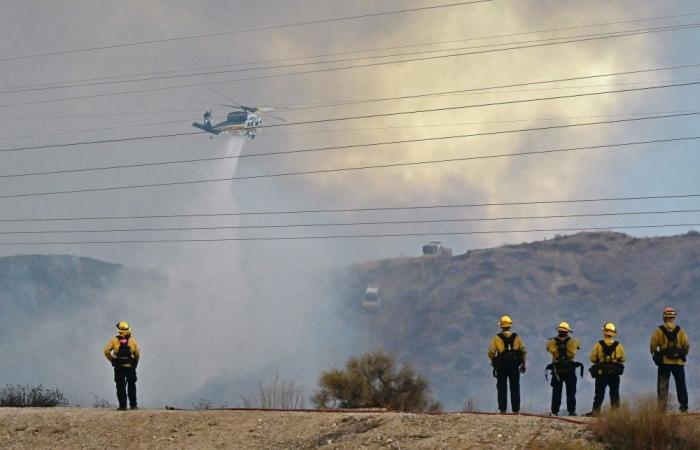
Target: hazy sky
267,269
37,27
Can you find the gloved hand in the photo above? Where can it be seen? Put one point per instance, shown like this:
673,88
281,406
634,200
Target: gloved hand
522,367
134,363
114,362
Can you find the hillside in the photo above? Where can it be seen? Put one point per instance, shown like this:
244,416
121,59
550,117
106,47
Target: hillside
439,313
35,286
104,429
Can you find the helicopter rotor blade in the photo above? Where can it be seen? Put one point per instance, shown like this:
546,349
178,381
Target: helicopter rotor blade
238,105
281,119
231,106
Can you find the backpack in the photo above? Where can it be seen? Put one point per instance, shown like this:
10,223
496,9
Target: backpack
672,351
123,355
509,356
562,365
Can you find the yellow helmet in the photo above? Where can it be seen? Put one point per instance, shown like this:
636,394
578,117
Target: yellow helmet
123,328
609,329
505,322
564,326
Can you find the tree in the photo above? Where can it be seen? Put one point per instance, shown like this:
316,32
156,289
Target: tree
372,380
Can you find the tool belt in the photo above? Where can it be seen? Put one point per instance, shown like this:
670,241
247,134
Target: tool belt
606,368
509,359
563,368
673,353
123,361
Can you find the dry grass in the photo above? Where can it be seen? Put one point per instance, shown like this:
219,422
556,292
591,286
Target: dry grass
640,425
278,394
561,445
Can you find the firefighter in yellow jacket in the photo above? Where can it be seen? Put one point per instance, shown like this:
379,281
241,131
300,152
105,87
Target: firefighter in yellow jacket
507,354
607,356
669,347
563,348
122,351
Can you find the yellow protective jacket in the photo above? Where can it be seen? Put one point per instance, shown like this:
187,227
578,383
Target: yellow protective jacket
597,355
659,342
497,346
112,347
571,348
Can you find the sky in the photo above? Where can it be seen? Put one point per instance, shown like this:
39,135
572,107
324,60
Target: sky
238,276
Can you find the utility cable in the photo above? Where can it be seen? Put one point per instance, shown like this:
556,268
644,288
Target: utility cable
104,82
347,52
242,30
396,113
353,168
347,224
684,196
358,236
181,121
327,69
234,178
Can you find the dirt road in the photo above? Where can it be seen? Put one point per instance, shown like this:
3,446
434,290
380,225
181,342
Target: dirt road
86,428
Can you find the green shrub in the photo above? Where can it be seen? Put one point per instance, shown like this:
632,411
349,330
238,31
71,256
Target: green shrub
30,396
372,380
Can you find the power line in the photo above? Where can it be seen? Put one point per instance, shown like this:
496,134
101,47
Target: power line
170,122
228,179
77,116
345,224
439,93
396,113
328,69
269,61
357,168
203,72
369,209
358,236
481,105
243,30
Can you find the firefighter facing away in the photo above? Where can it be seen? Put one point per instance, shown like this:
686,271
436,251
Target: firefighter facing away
563,348
669,347
607,356
507,354
122,351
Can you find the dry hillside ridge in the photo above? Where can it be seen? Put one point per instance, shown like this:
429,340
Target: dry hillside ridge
86,428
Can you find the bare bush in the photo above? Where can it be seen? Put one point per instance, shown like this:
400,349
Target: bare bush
23,396
101,402
470,405
202,405
372,380
641,425
278,394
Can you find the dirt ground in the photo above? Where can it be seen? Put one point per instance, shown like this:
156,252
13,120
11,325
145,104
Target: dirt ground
86,428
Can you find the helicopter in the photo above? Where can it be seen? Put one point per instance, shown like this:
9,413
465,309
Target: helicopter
245,121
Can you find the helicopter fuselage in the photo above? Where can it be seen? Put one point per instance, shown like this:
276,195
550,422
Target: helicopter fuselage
238,123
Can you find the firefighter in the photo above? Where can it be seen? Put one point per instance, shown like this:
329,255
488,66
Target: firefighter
563,348
122,351
507,354
607,356
669,348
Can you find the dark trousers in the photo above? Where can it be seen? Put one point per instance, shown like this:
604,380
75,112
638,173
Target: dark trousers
664,376
558,381
504,376
603,381
125,379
